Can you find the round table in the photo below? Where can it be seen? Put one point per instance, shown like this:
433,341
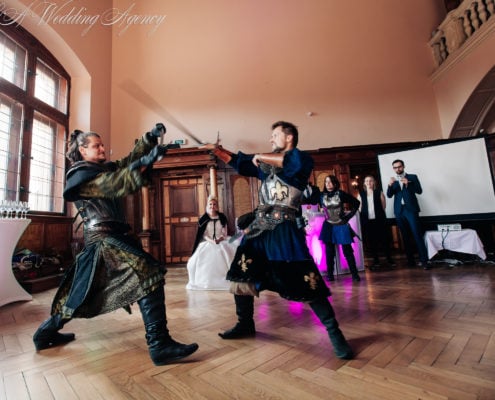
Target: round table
11,230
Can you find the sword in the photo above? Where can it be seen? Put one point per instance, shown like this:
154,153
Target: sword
137,93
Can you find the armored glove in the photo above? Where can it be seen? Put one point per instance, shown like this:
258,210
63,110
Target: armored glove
150,158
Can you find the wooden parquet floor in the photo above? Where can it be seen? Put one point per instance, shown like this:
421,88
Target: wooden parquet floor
417,335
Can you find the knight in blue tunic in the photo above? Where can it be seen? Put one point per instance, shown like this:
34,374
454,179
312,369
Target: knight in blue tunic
273,254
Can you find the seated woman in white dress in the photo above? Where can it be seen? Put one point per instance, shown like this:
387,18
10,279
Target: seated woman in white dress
212,251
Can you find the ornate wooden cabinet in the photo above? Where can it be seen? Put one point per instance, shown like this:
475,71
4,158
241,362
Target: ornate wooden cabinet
181,184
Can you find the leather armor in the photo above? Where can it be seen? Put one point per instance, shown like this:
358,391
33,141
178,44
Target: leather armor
102,215
98,214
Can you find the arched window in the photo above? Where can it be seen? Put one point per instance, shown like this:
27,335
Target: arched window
34,104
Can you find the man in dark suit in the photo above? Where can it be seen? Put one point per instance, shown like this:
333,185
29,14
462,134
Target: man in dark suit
404,187
311,194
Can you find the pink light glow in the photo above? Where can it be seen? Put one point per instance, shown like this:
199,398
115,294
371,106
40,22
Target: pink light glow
296,308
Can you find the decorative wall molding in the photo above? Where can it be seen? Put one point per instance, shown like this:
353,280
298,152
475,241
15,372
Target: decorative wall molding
462,30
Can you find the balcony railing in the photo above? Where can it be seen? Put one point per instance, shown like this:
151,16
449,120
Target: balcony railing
461,26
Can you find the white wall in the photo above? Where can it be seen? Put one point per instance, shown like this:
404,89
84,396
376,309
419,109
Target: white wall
362,67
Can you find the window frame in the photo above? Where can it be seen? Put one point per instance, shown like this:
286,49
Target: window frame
32,105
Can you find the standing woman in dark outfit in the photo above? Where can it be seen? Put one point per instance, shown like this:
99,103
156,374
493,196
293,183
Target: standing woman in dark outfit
374,221
336,229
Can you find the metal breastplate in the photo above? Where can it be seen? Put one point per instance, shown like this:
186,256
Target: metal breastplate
333,208
274,191
101,214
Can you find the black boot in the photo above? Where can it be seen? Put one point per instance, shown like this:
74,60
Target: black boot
330,275
354,273
330,256
161,346
351,262
324,311
244,308
48,334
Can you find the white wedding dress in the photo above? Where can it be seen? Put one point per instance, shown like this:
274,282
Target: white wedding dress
208,266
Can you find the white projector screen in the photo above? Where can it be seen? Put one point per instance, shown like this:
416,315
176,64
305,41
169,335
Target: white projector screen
456,179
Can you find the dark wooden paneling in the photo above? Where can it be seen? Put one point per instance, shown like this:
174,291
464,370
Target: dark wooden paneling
240,194
183,200
51,238
46,233
183,238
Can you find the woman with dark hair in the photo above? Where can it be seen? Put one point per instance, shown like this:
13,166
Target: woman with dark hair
336,229
112,271
374,221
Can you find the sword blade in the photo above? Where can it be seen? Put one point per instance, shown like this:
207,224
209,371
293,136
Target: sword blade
137,93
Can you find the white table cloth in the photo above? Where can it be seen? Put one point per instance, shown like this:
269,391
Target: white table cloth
463,241
10,233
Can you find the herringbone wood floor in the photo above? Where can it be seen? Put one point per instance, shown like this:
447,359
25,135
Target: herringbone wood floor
417,334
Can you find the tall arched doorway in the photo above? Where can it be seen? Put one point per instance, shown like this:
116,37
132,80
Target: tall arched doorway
478,114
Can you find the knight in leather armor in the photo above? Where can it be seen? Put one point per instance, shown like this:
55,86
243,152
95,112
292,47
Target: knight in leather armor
336,229
112,271
273,254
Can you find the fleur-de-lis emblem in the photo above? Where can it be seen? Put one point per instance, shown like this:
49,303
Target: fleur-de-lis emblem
280,191
243,262
312,279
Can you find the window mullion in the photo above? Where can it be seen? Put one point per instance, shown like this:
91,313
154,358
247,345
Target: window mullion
31,75
26,153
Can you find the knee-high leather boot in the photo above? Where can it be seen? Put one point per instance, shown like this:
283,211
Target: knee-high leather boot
161,346
351,262
324,311
48,334
244,308
330,256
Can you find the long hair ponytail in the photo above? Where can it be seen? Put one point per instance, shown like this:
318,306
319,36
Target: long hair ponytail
78,138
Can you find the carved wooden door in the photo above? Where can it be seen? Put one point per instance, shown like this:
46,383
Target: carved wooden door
182,198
